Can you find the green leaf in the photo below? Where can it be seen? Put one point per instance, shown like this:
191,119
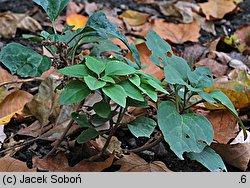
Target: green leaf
95,65
24,61
116,93
87,135
142,126
74,92
97,120
118,68
52,7
131,90
222,98
109,79
78,71
99,22
156,86
135,103
209,158
201,77
149,91
102,109
135,79
93,83
81,119
104,46
207,97
184,133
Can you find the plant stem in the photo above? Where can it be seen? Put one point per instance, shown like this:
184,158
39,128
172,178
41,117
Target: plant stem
54,26
184,99
147,146
20,81
177,99
198,102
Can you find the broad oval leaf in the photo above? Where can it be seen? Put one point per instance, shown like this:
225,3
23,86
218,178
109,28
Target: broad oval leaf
24,61
81,119
131,90
142,126
52,7
95,65
116,93
93,83
78,71
74,92
184,133
209,158
102,109
118,68
149,91
87,135
201,77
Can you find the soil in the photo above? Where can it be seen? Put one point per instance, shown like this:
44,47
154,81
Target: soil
160,152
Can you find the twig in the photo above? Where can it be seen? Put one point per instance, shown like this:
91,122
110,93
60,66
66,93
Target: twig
147,146
20,81
19,145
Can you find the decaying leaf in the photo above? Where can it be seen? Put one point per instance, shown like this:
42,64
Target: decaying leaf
74,8
78,20
146,61
59,163
224,125
13,104
237,155
114,145
237,90
134,163
217,9
5,76
9,164
134,18
217,68
46,101
11,21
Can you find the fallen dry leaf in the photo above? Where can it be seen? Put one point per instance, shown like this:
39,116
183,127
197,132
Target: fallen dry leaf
74,8
2,135
77,20
146,61
144,1
13,104
46,101
9,164
114,145
217,9
134,18
243,34
59,163
11,21
237,90
90,8
217,68
224,125
237,155
5,76
134,163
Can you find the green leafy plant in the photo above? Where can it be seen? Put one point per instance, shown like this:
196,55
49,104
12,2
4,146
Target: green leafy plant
121,84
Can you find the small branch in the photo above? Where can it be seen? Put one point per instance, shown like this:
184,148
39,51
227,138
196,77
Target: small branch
198,102
147,146
185,101
20,81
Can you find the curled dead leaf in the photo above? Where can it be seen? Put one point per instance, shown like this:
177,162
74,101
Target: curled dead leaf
134,18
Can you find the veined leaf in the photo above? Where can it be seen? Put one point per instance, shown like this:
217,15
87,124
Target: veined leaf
78,71
102,109
52,7
184,133
24,61
116,93
201,77
74,92
142,126
131,90
87,135
118,68
93,83
95,65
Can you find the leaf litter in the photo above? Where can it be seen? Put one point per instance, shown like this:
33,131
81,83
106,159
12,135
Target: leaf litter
136,24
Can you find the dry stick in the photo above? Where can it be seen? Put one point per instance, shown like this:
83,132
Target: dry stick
20,145
147,146
20,81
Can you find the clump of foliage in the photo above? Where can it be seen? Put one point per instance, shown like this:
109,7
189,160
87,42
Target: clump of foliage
121,84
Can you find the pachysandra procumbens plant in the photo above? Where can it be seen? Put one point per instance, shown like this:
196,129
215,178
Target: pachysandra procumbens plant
121,84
